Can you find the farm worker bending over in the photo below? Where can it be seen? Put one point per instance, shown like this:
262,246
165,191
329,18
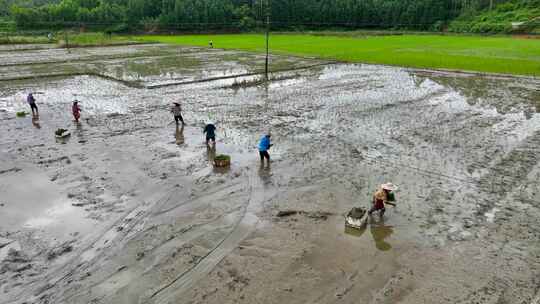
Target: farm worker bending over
209,129
32,102
76,110
177,112
264,145
381,197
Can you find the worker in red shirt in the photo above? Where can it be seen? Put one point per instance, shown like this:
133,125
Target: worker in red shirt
76,110
383,196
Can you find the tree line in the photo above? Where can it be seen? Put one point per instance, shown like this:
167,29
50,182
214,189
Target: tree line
204,15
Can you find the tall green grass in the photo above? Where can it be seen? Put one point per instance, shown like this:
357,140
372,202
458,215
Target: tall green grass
22,39
93,39
470,53
71,39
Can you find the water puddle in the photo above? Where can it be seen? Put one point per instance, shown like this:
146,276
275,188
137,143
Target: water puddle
377,230
32,201
60,219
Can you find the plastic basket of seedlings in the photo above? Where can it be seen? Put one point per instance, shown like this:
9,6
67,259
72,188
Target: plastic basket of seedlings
62,133
356,218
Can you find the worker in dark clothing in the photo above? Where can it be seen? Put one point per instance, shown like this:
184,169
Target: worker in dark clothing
177,112
32,103
209,130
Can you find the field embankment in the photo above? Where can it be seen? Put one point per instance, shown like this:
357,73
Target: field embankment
505,55
63,39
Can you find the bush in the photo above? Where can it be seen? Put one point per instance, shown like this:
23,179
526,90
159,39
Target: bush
499,20
437,26
117,29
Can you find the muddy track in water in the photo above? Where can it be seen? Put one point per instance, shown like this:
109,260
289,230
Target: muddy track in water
136,214
243,228
77,60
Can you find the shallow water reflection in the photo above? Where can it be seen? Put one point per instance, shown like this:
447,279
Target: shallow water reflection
265,174
357,232
35,122
380,232
179,135
79,132
211,152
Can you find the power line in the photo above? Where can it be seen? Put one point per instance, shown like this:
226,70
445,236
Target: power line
258,22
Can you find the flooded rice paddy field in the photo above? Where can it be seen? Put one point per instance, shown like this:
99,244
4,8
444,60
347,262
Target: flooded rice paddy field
129,208
139,66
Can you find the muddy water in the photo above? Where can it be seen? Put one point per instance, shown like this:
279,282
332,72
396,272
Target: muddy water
139,65
129,209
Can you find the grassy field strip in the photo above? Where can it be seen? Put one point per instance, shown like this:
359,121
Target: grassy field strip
505,55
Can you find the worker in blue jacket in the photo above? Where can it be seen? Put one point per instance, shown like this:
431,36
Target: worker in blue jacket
264,146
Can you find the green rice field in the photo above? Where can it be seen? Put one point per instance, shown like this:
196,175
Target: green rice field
506,55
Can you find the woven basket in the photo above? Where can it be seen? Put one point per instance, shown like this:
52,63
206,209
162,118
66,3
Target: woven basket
222,161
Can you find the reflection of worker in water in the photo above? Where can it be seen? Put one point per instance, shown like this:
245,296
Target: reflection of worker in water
179,135
209,130
76,110
211,152
385,195
32,103
80,133
264,146
177,112
265,174
380,232
35,122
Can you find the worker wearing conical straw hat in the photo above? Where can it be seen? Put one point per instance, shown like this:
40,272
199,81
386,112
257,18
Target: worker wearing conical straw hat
381,197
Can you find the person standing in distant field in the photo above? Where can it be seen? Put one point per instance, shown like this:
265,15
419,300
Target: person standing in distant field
32,102
211,44
177,112
209,130
76,110
264,146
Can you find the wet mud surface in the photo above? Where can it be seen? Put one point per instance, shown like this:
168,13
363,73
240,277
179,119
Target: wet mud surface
129,208
139,66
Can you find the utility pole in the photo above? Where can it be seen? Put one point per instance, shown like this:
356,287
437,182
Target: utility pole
490,4
267,37
66,38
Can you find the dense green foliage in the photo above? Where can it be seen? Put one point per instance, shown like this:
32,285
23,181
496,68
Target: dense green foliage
525,13
69,12
473,53
5,5
208,15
